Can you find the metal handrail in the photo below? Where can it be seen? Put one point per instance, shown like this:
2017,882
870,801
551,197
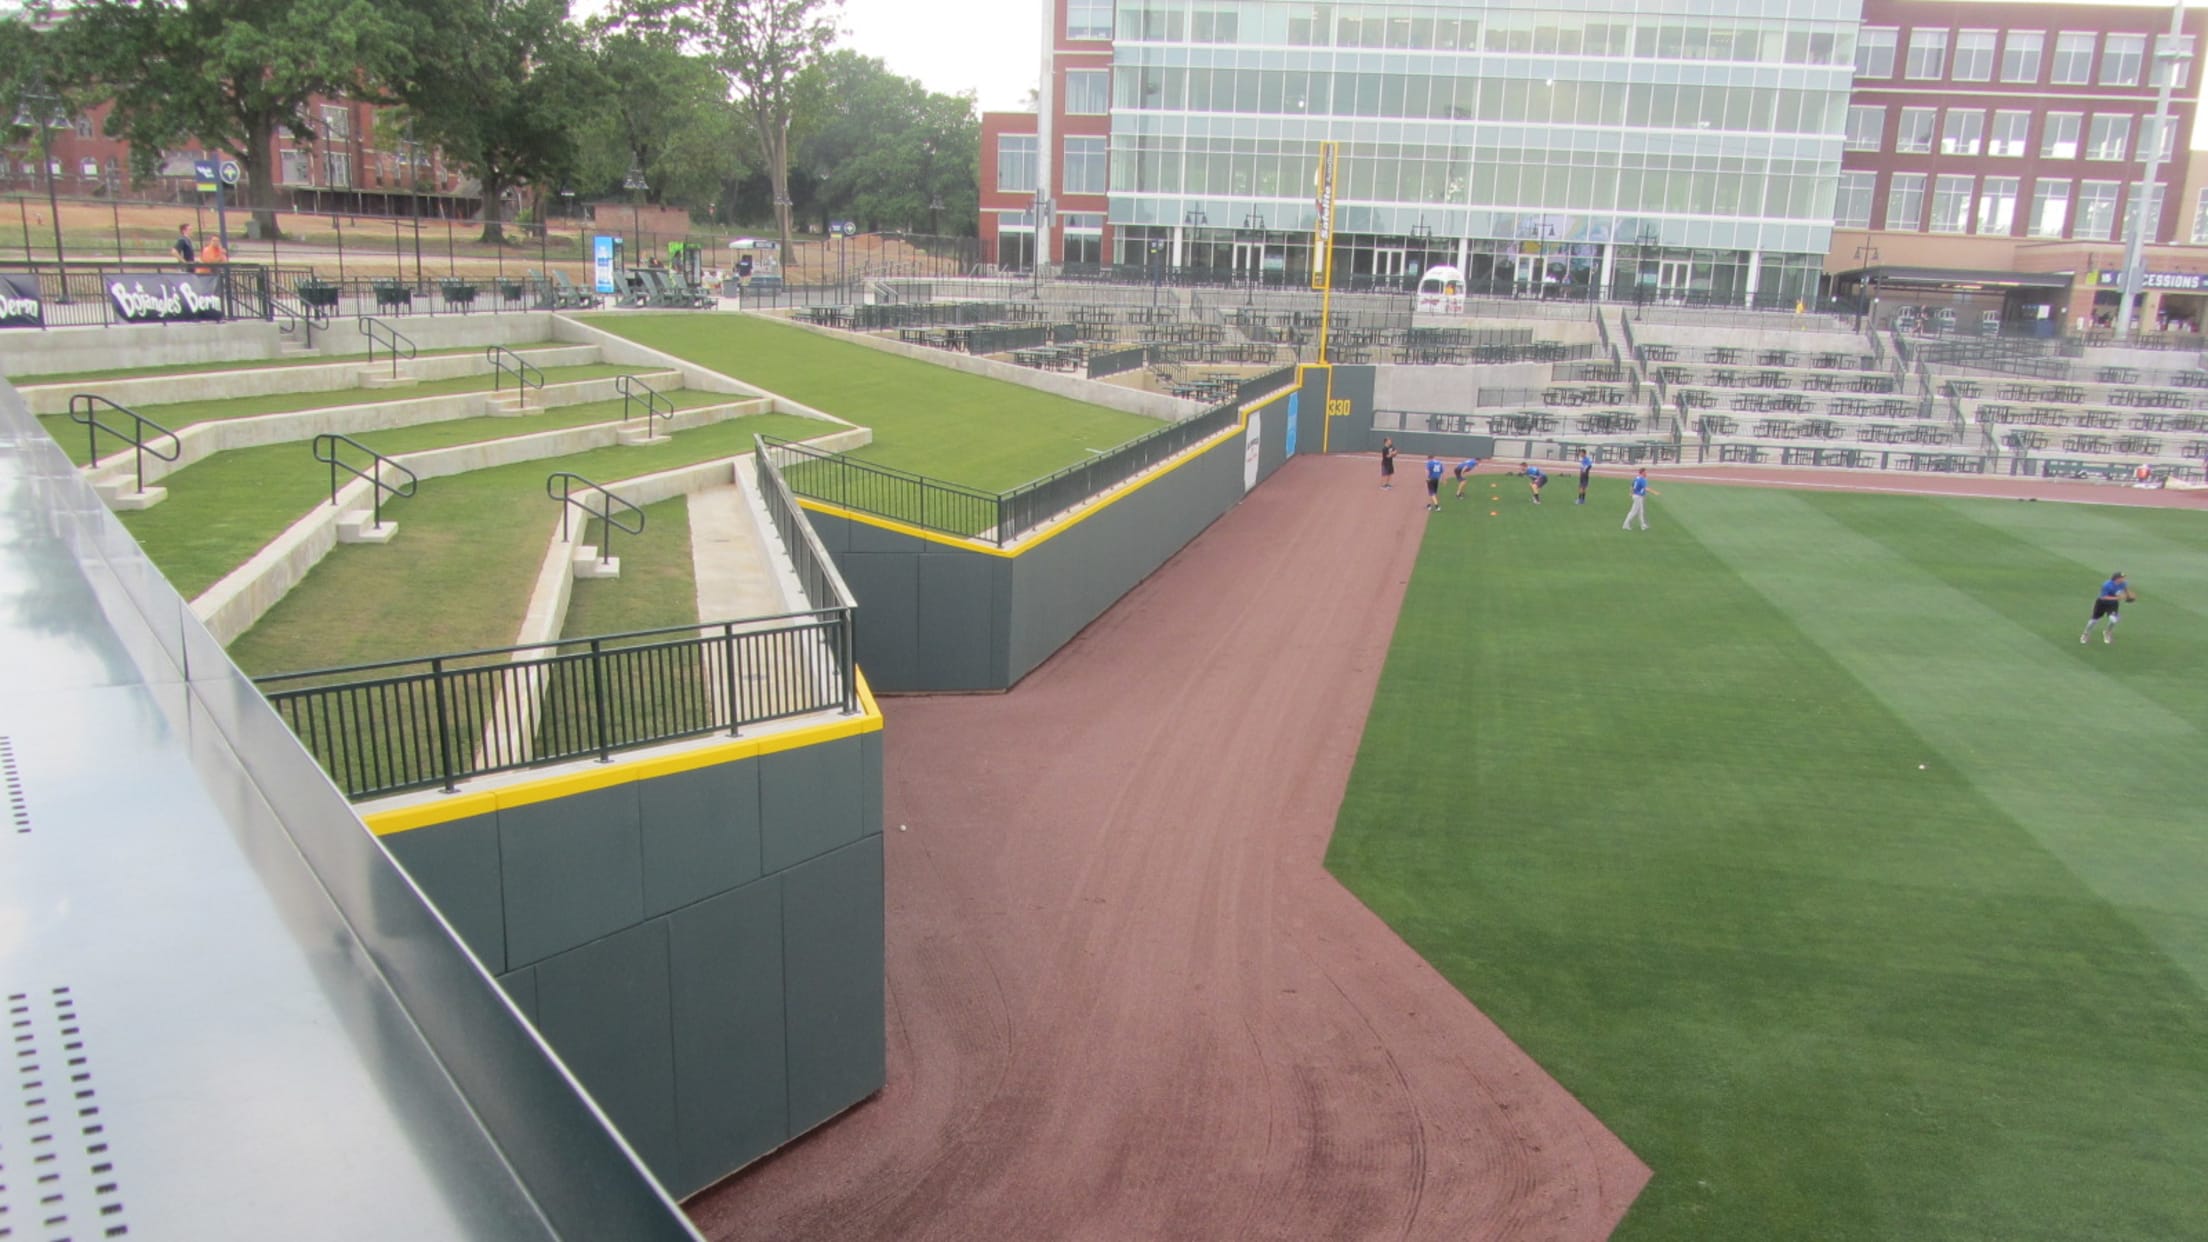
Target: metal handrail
560,486
84,410
655,402
396,342
374,474
505,362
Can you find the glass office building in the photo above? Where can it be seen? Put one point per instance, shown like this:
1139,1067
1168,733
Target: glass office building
1668,149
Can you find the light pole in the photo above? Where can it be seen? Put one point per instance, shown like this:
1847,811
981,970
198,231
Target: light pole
1192,219
1866,255
635,184
2168,59
43,100
1423,234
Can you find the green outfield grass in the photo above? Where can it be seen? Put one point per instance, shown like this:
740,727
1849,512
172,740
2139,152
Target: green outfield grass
1654,802
927,419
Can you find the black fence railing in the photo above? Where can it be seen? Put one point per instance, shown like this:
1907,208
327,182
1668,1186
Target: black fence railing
816,572
1118,361
1028,507
329,449
415,724
85,410
77,294
1264,385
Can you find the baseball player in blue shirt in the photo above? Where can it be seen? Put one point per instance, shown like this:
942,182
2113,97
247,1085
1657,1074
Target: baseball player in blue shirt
1433,483
1464,473
2114,594
1586,468
1535,479
1639,510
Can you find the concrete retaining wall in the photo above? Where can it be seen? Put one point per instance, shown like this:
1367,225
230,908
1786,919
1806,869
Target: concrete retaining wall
941,614
703,949
1056,383
59,350
272,380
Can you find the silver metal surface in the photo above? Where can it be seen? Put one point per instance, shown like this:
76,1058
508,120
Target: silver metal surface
229,1014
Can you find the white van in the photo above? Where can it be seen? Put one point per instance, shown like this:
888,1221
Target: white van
1441,291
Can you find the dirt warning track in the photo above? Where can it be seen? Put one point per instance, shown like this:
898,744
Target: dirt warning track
1125,999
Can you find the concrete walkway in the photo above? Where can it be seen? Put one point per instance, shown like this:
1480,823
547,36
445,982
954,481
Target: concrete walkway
734,564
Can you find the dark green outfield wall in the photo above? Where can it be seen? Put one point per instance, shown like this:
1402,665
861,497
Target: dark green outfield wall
936,616
703,950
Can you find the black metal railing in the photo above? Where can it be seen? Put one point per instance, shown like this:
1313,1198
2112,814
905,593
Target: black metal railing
84,410
79,294
505,362
816,572
563,487
396,344
327,451
421,723
1026,508
1118,361
636,391
914,499
1264,385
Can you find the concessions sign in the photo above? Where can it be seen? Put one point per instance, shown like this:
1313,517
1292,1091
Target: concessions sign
19,303
171,298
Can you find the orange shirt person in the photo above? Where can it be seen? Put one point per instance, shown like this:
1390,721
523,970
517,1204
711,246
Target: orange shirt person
212,252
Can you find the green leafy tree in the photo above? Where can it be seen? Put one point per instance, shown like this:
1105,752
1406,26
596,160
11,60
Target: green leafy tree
662,111
38,93
230,73
762,47
883,148
503,90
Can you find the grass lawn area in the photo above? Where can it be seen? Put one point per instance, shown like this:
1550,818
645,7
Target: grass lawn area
927,419
658,586
222,510
246,364
179,415
1803,842
458,575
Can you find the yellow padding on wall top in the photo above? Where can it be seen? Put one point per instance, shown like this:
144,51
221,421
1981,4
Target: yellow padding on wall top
624,771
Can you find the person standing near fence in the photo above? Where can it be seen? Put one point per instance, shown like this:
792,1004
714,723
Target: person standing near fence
1387,464
1639,511
1586,469
212,254
185,251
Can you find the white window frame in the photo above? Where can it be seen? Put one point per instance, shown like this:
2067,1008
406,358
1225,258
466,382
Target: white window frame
1866,127
1094,162
1963,131
1996,216
2100,196
1954,193
1081,19
2018,45
2108,138
2010,134
2123,59
1096,82
1017,147
2036,225
1927,43
2085,56
2059,130
1901,187
1903,145
1982,47
1860,189
1874,43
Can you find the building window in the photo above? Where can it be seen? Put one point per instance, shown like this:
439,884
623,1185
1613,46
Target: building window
1964,133
2059,141
1905,203
336,122
295,167
1974,56
2153,134
1997,205
2109,138
2050,209
1915,135
1852,210
2154,209
1927,53
1088,92
1874,52
1088,19
1016,163
1866,125
2011,134
2096,210
89,170
84,127
2020,56
1086,163
1951,204
2200,219
2120,59
2073,59
2173,58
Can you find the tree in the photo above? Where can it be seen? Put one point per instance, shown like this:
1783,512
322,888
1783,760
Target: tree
662,111
229,73
883,148
761,47
502,91
35,98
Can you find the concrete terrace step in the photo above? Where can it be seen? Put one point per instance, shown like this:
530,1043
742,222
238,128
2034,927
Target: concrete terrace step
229,381
520,404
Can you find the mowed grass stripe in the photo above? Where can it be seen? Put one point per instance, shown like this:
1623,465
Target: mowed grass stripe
459,573
1679,852
2161,547
2101,775
926,419
224,509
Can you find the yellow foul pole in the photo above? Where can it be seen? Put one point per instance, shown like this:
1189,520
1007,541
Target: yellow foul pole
1322,276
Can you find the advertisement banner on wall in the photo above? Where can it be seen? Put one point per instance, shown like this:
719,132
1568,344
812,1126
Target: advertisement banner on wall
1252,441
601,263
174,298
1295,402
19,303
